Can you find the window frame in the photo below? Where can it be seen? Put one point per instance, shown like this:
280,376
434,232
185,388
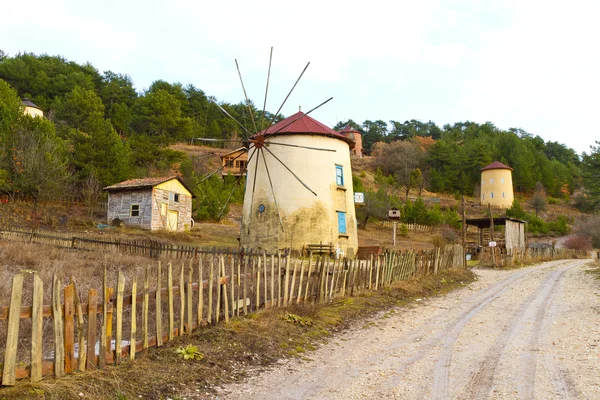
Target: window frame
174,197
339,179
131,210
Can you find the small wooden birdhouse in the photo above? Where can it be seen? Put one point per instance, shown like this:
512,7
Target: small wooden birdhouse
394,213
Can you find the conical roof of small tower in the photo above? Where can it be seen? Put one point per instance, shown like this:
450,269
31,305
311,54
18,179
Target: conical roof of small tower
302,124
28,103
349,129
496,165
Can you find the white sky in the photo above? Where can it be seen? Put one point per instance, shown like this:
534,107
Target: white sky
533,64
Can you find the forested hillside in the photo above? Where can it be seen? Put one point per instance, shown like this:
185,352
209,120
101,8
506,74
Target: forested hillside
99,130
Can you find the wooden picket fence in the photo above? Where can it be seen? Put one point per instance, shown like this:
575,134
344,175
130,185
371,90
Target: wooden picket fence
410,227
89,333
143,247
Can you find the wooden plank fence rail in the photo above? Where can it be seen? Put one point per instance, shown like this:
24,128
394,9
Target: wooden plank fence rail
410,227
219,286
143,247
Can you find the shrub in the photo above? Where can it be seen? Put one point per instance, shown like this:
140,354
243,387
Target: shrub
578,242
449,235
560,225
590,229
403,230
438,241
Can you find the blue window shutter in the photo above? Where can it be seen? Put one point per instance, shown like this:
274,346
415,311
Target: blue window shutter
341,222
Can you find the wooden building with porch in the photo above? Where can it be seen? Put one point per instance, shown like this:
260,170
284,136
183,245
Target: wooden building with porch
234,162
151,203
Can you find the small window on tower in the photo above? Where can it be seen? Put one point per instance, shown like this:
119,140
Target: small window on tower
339,175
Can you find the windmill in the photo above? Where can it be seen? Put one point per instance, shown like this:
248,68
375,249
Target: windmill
299,187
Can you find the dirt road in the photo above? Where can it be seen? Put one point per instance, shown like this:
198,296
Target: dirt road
532,333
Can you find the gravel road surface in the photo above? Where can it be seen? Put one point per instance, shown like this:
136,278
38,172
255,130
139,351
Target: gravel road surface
532,333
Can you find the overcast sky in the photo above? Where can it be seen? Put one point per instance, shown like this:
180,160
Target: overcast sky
533,65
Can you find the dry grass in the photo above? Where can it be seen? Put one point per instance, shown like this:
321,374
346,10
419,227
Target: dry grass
231,349
376,235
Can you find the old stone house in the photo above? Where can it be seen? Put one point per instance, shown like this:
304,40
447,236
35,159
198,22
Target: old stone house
151,203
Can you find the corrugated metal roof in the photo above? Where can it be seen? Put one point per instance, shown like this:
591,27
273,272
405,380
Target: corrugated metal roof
303,124
28,103
143,183
496,165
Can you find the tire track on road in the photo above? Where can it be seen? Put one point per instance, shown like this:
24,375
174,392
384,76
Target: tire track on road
481,383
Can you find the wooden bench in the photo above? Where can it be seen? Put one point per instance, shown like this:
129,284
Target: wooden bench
365,252
321,248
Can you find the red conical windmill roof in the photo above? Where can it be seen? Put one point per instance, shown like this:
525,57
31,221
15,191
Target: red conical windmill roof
496,165
302,124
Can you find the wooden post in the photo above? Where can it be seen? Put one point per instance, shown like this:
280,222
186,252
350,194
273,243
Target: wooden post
69,329
299,297
492,234
145,309
133,338
190,300
265,279
12,333
92,323
80,329
159,330
257,289
272,280
239,286
37,325
286,290
59,344
394,224
181,300
224,287
218,309
102,353
210,288
200,292
308,278
245,296
232,283
278,279
119,334
171,301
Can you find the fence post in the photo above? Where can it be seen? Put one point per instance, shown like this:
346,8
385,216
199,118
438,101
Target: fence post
12,337
37,325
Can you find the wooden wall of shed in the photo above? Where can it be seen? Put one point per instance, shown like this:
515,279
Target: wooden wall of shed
119,206
183,207
514,234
